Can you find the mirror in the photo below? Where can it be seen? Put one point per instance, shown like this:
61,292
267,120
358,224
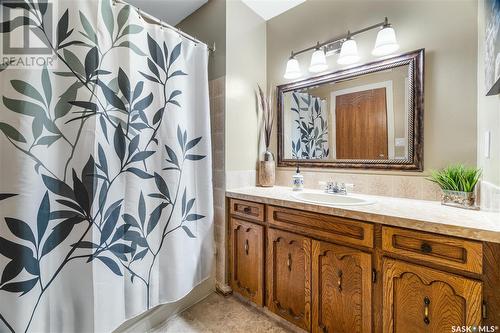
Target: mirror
369,116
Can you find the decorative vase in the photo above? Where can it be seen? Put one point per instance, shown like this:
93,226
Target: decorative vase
459,199
267,173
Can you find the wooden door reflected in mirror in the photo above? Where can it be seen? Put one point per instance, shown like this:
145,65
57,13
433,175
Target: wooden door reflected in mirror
361,125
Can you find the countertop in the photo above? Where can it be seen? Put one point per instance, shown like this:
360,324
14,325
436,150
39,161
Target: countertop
422,215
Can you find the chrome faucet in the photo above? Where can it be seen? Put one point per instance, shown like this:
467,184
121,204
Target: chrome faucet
336,188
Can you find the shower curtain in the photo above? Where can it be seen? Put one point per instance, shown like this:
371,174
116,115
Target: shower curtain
309,127
105,169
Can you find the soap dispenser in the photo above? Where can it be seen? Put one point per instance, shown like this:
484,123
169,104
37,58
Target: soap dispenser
298,180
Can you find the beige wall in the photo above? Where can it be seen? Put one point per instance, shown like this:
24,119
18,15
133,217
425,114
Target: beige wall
245,68
488,113
446,29
208,24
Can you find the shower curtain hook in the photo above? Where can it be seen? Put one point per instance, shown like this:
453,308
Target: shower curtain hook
161,25
139,13
114,2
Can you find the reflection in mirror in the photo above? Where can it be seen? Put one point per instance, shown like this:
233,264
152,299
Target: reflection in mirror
308,125
362,118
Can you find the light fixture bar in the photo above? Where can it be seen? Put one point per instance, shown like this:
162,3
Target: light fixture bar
343,37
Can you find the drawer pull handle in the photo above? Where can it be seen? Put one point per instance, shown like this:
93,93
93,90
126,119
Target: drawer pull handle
339,282
427,301
246,246
426,248
289,262
247,210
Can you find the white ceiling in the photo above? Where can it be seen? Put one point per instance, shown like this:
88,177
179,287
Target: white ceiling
170,11
267,9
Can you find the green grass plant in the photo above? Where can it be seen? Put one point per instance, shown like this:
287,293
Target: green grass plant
456,178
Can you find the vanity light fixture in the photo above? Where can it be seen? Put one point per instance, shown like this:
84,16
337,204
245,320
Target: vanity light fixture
318,61
385,44
292,68
348,52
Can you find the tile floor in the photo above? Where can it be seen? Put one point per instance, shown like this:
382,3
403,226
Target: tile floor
219,314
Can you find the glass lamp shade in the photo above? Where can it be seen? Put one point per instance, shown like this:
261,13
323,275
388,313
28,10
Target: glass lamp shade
348,53
318,61
386,42
292,69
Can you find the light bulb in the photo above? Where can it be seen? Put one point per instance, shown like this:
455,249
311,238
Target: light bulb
318,61
386,42
348,52
292,69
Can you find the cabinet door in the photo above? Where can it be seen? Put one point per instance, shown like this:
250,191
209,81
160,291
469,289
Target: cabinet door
342,289
288,276
421,299
247,259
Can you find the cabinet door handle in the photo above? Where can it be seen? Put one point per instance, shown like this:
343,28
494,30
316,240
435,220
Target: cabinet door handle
427,301
426,248
339,282
289,262
246,246
247,210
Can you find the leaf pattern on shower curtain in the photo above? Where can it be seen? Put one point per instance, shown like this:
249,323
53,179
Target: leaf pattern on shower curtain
76,204
310,129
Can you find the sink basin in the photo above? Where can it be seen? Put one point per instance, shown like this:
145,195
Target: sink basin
332,199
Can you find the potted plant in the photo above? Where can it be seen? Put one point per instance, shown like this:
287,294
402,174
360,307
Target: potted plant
267,166
457,183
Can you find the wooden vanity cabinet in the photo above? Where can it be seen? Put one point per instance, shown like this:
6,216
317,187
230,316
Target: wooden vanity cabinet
246,257
331,274
428,300
289,276
342,289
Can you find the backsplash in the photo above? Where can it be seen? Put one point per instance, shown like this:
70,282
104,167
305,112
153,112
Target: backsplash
411,187
241,178
489,197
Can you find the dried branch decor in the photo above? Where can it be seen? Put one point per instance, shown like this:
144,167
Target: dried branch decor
265,103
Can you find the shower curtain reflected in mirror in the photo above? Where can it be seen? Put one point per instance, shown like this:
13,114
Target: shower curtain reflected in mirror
309,121
105,188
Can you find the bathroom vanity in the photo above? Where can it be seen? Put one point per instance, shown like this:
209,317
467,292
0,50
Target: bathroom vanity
398,265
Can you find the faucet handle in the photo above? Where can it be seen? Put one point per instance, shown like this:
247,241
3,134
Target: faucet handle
348,187
322,185
327,186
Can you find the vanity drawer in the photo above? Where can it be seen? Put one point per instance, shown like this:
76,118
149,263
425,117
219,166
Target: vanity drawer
246,209
333,228
449,251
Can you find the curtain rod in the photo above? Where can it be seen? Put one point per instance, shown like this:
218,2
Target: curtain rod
159,22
